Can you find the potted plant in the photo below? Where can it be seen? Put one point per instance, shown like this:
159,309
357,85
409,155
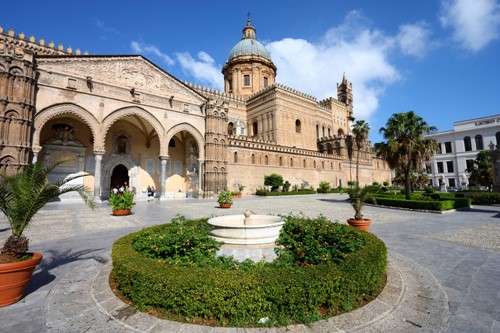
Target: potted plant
239,192
21,196
357,196
121,203
225,200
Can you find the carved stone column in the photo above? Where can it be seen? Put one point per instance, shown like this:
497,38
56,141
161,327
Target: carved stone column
200,173
163,175
97,174
35,150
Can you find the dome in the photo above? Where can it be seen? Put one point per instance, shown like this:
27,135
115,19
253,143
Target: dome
249,47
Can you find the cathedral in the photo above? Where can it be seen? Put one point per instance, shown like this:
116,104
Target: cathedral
125,121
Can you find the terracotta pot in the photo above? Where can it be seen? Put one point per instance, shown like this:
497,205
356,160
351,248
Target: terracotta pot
225,205
235,196
121,212
363,224
14,278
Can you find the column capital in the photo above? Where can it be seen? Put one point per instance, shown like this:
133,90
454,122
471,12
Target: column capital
164,158
99,152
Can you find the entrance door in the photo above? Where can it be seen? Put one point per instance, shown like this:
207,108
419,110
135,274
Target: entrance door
119,176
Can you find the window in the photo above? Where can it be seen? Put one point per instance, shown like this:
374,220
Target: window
449,166
246,80
322,164
235,157
230,84
467,144
479,142
451,182
317,131
447,147
440,167
254,128
298,126
266,160
314,164
304,163
266,82
439,148
253,158
230,128
469,164
281,161
291,162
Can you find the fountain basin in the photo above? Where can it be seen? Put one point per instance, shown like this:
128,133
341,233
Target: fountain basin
253,230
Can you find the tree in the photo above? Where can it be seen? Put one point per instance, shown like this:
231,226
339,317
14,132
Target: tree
406,147
22,195
360,129
274,180
481,170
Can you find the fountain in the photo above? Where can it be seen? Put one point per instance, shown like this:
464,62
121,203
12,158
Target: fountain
249,237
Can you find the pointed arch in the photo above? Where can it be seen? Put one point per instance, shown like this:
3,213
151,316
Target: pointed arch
136,111
42,117
200,141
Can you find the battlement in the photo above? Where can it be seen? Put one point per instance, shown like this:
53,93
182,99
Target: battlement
210,92
37,46
284,88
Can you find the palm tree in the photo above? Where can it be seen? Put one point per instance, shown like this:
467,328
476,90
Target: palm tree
22,195
406,147
360,129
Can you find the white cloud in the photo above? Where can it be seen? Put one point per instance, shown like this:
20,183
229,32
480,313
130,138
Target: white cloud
105,30
202,69
413,39
353,48
474,23
145,49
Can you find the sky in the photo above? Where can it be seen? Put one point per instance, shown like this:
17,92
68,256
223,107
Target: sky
439,58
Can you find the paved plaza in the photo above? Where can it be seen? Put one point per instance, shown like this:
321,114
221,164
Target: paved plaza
444,271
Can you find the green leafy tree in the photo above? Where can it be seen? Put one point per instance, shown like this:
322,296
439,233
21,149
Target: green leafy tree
481,170
274,180
22,195
406,147
360,129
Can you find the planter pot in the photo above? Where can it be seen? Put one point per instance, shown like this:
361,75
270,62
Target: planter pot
235,196
225,205
121,212
363,224
14,278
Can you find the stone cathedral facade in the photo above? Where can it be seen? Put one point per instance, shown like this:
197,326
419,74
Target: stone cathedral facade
124,120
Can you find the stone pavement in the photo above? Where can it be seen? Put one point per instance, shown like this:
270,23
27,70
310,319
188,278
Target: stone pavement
443,277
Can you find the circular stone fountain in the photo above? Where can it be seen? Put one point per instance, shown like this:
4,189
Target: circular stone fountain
247,237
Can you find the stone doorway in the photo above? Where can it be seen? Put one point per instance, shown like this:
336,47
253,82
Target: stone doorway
119,176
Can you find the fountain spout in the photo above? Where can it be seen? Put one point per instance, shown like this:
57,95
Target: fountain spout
247,214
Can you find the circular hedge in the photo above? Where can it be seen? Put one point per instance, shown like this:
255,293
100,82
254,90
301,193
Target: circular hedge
284,294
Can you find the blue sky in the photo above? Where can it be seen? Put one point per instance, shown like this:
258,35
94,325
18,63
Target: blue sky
440,58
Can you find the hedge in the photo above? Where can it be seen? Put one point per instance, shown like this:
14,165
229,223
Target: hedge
436,205
285,295
276,193
483,198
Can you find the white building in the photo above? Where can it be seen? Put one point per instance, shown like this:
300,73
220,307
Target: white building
459,147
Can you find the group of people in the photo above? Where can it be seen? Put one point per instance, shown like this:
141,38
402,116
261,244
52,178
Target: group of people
150,192
122,188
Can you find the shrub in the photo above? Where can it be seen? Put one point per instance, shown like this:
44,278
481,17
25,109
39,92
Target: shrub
285,293
286,186
274,180
314,241
121,200
275,194
436,205
225,197
483,198
324,186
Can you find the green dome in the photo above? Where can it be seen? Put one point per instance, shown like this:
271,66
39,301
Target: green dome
249,47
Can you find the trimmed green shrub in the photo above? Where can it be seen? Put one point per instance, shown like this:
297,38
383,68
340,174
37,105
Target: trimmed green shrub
285,293
274,180
437,205
298,192
483,198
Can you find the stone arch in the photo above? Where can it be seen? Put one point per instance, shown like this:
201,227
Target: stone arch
200,141
16,71
111,163
5,162
135,110
42,117
12,114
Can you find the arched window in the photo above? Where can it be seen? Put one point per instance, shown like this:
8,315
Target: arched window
291,162
322,164
329,132
281,161
323,131
467,144
253,158
317,131
254,128
266,160
304,163
479,142
230,128
298,125
235,157
314,164
340,166
331,165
